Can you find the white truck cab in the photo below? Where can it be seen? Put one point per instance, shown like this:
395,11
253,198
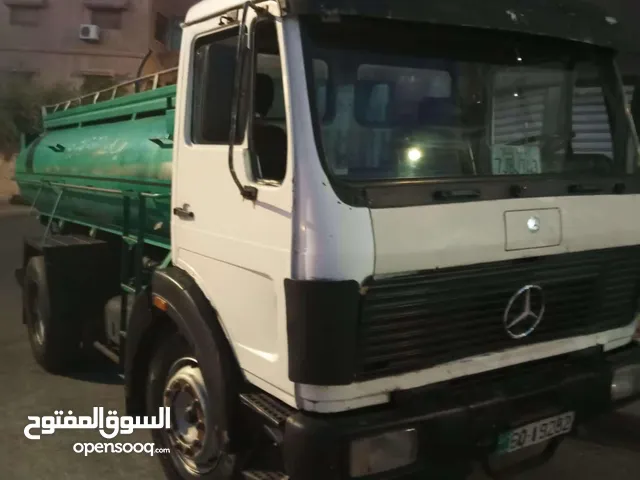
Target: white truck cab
411,203
403,240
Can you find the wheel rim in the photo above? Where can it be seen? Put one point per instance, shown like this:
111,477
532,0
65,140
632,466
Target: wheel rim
37,321
193,440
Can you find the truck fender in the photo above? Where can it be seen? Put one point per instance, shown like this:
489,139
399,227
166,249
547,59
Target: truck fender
189,312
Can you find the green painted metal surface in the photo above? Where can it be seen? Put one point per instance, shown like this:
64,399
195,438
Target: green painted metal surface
122,145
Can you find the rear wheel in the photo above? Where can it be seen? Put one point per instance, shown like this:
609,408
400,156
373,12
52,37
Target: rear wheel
55,342
196,441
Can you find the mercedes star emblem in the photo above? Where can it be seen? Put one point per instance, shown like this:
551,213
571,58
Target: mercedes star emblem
524,311
533,224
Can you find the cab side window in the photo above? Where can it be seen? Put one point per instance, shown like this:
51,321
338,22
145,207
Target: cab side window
268,122
214,71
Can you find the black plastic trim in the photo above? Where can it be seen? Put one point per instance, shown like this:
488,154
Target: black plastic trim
425,319
311,449
414,193
195,318
546,19
322,322
136,355
462,417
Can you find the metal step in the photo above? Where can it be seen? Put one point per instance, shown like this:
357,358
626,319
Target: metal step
107,352
263,475
272,410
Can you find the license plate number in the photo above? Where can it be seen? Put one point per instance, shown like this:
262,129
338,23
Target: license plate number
535,433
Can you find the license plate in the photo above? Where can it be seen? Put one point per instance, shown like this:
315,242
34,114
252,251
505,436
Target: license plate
535,433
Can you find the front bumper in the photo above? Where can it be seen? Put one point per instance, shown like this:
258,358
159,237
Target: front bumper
458,422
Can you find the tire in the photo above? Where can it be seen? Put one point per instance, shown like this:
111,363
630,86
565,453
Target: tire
55,342
202,450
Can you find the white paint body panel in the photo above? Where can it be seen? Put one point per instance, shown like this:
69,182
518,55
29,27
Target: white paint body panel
421,238
331,240
206,8
440,236
526,229
239,252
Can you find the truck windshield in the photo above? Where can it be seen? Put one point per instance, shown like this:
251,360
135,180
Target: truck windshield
403,101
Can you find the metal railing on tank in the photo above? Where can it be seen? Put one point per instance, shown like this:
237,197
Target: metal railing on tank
133,242
154,81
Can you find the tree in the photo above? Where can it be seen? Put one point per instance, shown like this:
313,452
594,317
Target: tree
20,104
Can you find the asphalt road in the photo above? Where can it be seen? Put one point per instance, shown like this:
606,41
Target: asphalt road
608,450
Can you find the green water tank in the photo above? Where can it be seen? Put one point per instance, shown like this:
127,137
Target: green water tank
112,150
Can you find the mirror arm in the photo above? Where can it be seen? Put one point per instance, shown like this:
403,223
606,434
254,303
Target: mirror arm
247,192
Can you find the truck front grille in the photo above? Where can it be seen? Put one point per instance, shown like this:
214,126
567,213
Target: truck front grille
420,320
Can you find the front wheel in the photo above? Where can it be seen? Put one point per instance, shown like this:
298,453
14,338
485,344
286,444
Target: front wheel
196,443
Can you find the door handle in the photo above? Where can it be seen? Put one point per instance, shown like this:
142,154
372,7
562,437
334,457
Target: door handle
183,212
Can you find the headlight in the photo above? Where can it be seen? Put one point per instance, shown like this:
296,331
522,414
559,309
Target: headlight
382,453
625,383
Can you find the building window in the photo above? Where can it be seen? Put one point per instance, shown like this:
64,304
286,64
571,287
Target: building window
175,33
25,16
162,28
107,19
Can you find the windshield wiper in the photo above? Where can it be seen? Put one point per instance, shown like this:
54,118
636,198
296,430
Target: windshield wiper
444,195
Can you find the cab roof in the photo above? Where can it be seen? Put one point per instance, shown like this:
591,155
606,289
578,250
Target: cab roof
207,8
566,19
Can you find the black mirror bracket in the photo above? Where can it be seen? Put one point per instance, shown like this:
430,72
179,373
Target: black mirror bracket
247,192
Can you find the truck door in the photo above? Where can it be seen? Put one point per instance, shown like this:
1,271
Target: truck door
238,250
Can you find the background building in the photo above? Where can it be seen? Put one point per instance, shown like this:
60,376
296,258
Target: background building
90,42
45,39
